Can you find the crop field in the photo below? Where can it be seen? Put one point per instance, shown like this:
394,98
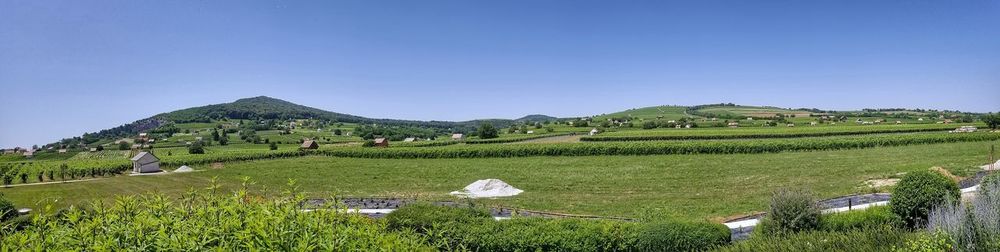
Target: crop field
707,186
763,132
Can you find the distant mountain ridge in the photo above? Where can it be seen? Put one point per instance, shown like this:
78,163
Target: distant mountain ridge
264,107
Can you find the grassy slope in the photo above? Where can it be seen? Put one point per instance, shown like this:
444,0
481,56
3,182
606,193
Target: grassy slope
684,186
648,113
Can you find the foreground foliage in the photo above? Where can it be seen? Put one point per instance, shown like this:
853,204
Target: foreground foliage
974,225
205,220
918,192
469,229
871,239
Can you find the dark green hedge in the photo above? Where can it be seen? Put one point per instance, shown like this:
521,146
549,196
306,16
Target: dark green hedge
453,228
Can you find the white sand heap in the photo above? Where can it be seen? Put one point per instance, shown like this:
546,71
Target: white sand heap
487,188
184,169
996,166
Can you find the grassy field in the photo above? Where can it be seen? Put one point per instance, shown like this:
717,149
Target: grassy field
683,186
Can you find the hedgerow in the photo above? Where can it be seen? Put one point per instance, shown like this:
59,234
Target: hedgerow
659,148
718,134
463,229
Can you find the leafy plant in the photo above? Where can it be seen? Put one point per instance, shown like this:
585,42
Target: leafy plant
918,192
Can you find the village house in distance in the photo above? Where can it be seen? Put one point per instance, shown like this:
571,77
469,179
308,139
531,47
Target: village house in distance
145,162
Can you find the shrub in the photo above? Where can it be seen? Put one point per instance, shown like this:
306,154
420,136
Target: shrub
450,228
17,223
876,239
677,236
926,243
918,192
369,143
972,226
196,148
792,211
422,216
872,217
7,210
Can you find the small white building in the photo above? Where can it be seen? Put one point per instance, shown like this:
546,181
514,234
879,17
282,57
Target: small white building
145,162
457,136
409,139
531,132
813,123
734,125
594,131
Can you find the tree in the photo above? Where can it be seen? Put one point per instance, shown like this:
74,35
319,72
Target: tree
215,136
123,145
99,148
223,141
196,148
337,132
992,120
273,146
487,131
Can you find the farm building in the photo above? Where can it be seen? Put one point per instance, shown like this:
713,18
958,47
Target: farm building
145,162
790,125
409,139
593,131
29,153
136,146
734,125
62,150
93,149
143,136
457,136
309,144
381,142
531,132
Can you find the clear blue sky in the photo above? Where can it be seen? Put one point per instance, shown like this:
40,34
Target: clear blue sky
69,67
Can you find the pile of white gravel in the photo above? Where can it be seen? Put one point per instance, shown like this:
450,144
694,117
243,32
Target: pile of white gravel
487,188
184,169
996,166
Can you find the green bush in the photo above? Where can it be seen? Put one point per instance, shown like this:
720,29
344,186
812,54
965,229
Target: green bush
926,243
874,239
681,236
17,223
539,234
451,228
423,216
918,192
872,217
792,211
7,210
